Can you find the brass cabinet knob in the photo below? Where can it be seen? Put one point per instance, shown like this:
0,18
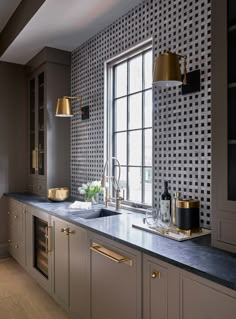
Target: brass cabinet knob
16,246
9,240
9,213
15,216
69,231
156,274
38,187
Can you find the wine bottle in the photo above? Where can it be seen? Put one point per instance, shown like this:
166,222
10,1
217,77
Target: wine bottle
165,204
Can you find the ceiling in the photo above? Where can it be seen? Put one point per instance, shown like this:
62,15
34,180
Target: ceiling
62,24
6,9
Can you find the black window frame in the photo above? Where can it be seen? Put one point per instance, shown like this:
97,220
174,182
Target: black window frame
127,59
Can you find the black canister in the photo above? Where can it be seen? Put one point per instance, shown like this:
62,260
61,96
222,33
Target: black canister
187,214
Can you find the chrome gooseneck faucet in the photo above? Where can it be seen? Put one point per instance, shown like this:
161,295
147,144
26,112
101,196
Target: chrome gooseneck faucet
115,183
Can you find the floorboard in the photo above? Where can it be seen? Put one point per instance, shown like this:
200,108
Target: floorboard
22,298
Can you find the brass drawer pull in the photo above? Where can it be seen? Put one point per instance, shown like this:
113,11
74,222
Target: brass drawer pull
156,274
63,230
110,254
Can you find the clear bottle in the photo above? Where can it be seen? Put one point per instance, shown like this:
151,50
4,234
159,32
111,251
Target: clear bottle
165,204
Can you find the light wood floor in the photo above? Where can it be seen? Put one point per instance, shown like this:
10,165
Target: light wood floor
22,298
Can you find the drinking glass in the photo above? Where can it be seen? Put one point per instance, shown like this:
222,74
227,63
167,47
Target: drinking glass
151,216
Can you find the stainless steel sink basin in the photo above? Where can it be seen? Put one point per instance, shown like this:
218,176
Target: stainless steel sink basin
99,213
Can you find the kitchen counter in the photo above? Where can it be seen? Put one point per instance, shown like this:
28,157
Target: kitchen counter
196,255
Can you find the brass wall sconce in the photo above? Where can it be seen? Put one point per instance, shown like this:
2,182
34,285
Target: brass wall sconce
167,73
64,107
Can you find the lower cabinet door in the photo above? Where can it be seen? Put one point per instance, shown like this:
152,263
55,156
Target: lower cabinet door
61,262
16,229
202,300
79,261
115,281
155,290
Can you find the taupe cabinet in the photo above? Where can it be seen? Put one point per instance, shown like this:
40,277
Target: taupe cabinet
160,289
200,298
169,292
49,136
223,124
16,230
71,268
115,280
94,277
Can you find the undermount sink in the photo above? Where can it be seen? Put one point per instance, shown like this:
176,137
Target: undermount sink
98,213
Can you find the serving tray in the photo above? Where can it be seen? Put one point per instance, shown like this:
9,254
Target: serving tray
171,232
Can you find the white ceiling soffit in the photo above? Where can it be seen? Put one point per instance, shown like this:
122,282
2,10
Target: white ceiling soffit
64,24
7,7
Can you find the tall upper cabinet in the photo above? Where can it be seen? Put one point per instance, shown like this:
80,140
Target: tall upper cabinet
224,124
49,136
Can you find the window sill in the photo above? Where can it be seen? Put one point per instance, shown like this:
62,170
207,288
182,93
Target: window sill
141,210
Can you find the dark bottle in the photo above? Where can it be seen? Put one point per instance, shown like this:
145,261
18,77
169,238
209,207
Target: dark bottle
165,204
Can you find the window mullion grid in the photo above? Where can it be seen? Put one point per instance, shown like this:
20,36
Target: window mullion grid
143,143
127,134
113,130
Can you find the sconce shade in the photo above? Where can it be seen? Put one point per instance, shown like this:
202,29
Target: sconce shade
167,70
64,107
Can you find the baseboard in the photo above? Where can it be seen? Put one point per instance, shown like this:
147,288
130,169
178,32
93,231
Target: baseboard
4,250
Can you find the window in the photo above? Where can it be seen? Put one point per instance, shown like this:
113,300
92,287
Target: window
130,123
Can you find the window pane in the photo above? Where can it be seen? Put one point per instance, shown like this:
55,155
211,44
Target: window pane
147,186
120,114
120,147
148,69
135,148
148,109
121,79
135,184
148,147
123,180
135,74
135,111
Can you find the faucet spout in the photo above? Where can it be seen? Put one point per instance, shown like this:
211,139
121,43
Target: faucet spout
115,183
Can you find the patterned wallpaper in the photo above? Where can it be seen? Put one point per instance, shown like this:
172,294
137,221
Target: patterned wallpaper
181,124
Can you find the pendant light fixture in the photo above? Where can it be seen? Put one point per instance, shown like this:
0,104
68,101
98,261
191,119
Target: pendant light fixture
167,71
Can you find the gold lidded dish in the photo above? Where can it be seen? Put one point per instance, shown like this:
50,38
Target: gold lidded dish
59,194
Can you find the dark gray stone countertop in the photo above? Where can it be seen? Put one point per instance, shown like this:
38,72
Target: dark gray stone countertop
196,255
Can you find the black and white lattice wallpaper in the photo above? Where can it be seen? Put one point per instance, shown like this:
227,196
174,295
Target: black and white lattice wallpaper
181,124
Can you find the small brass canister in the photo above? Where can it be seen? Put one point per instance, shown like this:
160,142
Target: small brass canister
187,214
